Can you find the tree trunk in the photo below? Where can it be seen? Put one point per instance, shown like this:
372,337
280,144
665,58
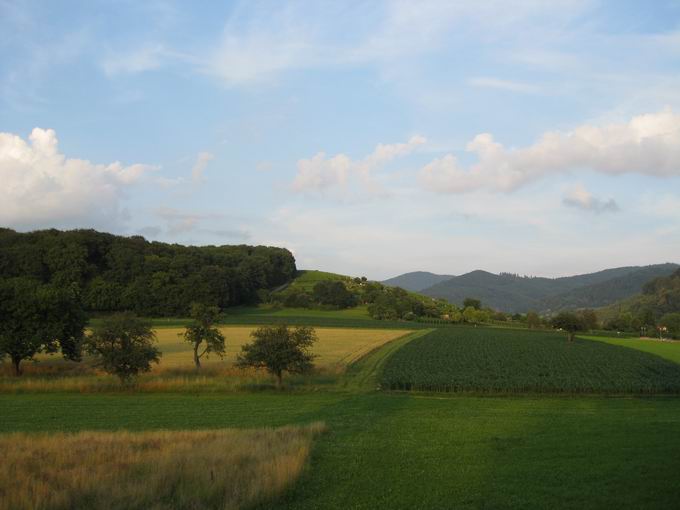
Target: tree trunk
571,336
17,366
197,359
279,379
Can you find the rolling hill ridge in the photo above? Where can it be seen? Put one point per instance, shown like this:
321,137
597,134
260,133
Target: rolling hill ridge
513,293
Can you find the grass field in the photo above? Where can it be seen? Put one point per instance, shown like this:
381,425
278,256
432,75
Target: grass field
500,361
410,450
668,350
336,348
403,451
223,468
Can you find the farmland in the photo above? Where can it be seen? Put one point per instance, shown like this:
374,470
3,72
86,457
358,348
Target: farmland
336,349
190,469
504,361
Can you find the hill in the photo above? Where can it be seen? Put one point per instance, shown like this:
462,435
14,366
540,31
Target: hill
514,293
116,273
417,280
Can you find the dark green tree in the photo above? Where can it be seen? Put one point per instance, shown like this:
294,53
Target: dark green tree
533,320
472,303
39,318
671,321
570,322
202,333
124,346
279,349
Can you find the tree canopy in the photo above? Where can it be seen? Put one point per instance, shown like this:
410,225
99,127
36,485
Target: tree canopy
39,318
202,334
279,349
115,273
124,346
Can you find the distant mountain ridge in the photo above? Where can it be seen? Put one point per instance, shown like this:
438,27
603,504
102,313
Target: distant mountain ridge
417,280
512,293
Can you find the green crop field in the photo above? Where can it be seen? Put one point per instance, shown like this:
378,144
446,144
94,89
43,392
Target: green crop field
500,361
668,350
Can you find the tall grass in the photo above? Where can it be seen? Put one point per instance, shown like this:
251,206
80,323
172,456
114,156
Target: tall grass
227,468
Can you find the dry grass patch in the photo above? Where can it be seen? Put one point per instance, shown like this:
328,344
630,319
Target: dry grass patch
225,468
336,347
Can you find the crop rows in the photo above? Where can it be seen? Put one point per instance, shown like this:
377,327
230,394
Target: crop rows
506,361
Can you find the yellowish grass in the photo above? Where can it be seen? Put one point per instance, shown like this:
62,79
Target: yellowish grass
336,347
226,468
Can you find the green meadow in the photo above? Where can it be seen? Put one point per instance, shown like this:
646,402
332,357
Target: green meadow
421,449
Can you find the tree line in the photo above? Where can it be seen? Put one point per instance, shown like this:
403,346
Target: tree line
112,273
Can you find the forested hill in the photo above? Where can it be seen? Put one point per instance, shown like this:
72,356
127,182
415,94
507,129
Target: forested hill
514,293
417,280
151,278
659,297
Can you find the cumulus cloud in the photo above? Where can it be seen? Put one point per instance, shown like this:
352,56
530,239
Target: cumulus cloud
581,198
42,187
648,144
320,172
201,163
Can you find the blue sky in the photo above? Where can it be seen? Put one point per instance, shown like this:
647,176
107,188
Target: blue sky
370,138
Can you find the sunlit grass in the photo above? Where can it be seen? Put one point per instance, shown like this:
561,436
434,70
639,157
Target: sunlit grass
336,349
225,468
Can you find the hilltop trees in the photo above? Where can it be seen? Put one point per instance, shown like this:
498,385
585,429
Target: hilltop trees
334,293
124,346
114,273
279,349
202,333
39,318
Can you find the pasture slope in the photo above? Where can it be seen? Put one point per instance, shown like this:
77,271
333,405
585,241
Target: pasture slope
409,450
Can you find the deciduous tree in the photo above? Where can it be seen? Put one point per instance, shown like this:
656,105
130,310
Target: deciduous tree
124,346
279,349
202,334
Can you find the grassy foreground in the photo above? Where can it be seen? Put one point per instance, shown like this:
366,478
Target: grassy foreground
222,468
404,451
412,451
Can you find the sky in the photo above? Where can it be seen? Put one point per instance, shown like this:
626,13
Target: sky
369,138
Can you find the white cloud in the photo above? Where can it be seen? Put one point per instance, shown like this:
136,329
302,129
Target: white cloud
511,86
139,60
201,163
648,144
42,187
258,44
320,172
581,198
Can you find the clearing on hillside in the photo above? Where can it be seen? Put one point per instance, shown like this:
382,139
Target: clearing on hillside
507,361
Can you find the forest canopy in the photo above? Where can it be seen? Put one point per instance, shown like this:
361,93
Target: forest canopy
115,273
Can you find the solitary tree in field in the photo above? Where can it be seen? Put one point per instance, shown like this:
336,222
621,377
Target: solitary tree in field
570,322
533,320
124,346
279,349
37,318
202,333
